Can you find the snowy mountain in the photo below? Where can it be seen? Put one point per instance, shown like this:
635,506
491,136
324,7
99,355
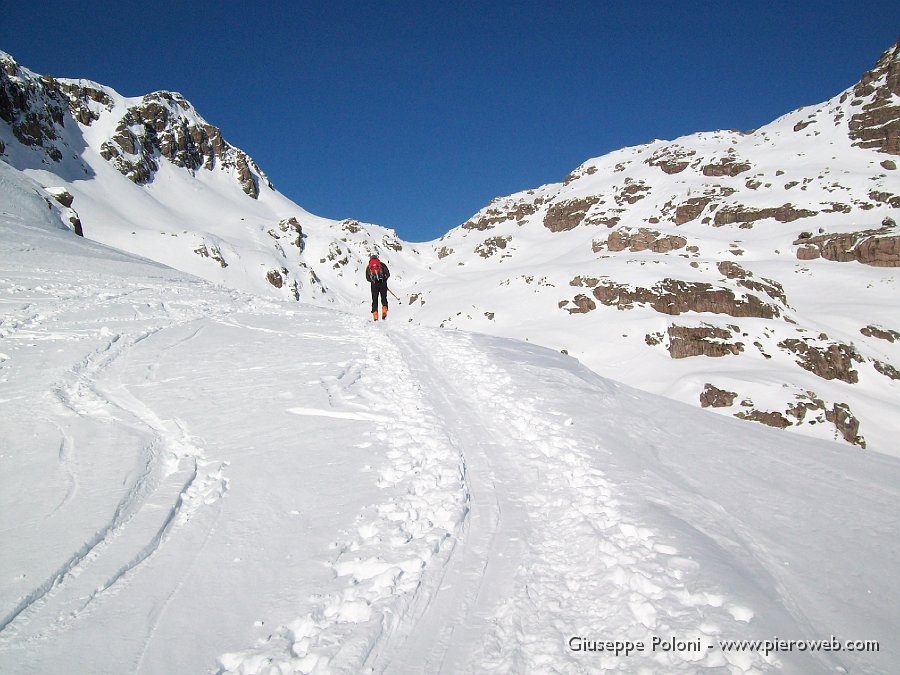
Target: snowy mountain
149,175
753,274
195,479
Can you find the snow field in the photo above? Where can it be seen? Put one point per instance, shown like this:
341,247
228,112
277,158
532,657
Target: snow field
588,569
189,474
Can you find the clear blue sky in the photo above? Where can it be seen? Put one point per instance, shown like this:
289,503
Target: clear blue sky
414,115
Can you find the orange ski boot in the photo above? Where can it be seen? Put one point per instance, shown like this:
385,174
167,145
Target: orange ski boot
384,312
375,316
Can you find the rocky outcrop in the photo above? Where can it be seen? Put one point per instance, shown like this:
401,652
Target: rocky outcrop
833,361
713,397
35,109
879,248
489,247
703,340
744,278
728,166
643,239
674,296
568,214
672,159
583,305
211,252
877,125
501,211
846,423
881,333
886,369
275,278
786,213
161,126
771,418
689,209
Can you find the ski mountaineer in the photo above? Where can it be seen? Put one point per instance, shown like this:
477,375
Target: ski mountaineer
377,274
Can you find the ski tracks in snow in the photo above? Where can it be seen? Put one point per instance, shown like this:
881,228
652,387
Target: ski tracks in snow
588,569
389,559
171,481
499,538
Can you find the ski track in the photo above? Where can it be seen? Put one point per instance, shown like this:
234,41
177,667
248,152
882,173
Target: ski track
174,477
502,542
398,547
588,569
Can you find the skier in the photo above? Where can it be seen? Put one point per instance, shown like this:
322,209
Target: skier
377,274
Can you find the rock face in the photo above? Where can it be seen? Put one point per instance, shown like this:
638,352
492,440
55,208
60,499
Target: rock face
879,248
644,239
568,214
674,296
712,396
832,362
877,125
701,341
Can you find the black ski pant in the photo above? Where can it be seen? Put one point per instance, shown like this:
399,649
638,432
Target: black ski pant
379,288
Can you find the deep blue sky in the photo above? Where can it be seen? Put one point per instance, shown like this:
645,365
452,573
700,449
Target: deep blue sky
414,115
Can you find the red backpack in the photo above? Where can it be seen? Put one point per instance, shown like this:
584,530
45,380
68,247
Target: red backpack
375,273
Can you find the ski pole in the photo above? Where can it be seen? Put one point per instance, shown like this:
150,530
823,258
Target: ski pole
394,294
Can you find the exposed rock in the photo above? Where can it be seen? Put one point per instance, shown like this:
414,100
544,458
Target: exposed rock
887,370
64,197
583,305
742,214
578,173
834,362
496,213
728,166
703,340
566,215
877,125
889,165
632,192
673,296
293,225
714,397
771,419
489,247
644,239
879,248
880,333
672,159
211,252
275,278
443,252
731,270
846,423
691,208
158,126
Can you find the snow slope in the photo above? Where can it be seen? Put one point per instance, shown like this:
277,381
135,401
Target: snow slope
199,480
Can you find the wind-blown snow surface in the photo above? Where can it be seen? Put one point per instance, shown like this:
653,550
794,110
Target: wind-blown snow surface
198,480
